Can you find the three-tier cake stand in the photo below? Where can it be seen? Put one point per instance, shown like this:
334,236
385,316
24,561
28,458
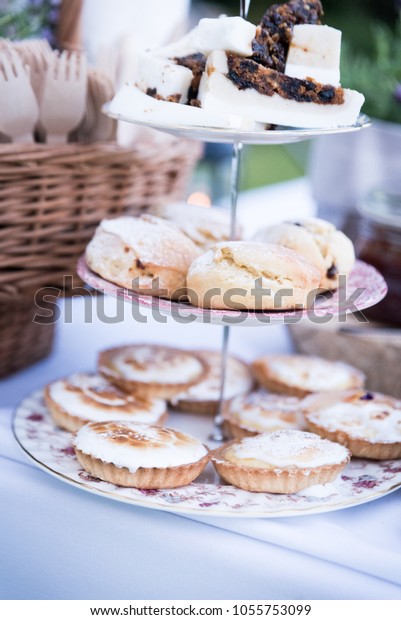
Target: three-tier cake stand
363,480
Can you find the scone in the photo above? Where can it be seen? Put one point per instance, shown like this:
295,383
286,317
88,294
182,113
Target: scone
255,276
286,461
151,370
131,454
261,412
144,254
83,398
204,396
317,241
300,375
204,226
368,424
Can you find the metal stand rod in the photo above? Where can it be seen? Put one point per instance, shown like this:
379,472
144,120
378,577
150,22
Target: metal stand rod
244,8
218,432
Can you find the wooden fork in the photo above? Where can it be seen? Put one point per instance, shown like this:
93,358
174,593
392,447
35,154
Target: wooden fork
62,101
18,106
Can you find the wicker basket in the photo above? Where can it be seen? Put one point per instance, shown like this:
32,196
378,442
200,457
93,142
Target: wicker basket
52,199
22,342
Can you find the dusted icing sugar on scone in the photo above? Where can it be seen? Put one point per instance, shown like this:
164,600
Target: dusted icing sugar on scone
369,424
88,397
232,275
133,445
145,254
261,412
286,449
302,375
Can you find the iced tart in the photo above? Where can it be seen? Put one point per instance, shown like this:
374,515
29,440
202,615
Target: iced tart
368,423
87,397
300,375
144,456
204,396
262,412
285,461
152,370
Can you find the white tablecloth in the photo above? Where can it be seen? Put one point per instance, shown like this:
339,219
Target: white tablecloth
60,542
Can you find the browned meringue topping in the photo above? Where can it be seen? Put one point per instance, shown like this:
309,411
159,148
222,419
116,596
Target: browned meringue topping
151,437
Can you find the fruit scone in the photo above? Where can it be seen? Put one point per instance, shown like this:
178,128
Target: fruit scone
87,397
262,412
138,455
247,275
230,73
300,375
145,254
204,226
204,396
151,369
285,461
317,241
367,423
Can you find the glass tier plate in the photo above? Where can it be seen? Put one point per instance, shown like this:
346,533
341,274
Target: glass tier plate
51,449
364,278
280,135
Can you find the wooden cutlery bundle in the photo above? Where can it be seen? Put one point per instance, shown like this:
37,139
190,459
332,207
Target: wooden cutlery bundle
51,97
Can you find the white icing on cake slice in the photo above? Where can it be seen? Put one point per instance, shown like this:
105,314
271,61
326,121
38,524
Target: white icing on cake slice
315,53
218,94
164,76
131,103
232,34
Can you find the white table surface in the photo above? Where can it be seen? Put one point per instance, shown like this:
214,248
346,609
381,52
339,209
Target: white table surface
60,542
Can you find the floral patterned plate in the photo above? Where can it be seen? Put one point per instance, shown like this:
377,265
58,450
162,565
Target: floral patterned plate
362,481
362,288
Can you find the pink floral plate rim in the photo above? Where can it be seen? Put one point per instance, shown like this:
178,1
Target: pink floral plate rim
50,448
363,276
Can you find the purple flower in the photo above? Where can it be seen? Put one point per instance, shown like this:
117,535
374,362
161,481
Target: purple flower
397,92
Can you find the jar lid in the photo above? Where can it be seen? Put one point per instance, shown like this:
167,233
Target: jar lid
382,207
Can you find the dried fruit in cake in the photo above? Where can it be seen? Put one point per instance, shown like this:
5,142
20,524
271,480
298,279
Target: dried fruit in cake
286,71
270,46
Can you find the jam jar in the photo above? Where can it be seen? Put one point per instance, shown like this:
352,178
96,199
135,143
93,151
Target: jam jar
378,242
